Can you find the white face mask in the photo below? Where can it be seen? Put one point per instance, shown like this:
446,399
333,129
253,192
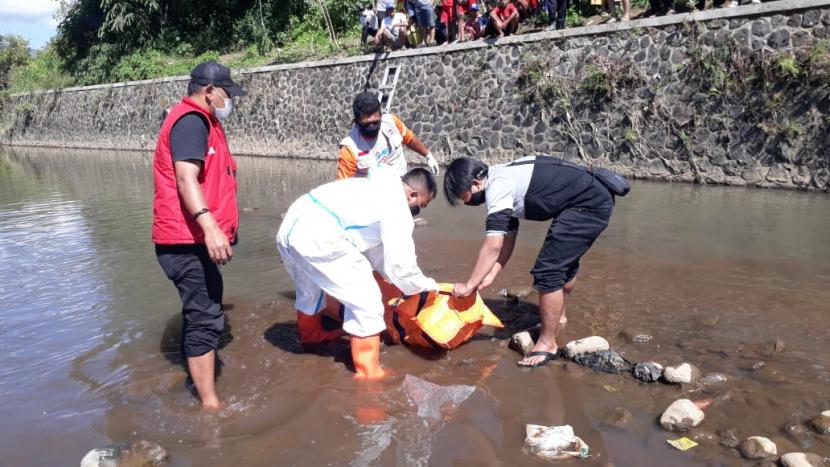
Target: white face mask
225,111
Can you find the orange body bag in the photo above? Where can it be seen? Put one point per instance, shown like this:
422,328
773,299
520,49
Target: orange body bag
434,319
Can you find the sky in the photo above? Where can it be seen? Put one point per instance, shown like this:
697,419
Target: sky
32,19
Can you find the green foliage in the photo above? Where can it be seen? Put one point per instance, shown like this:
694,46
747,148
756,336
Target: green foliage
24,108
14,53
44,71
792,130
110,40
150,63
713,65
788,66
631,135
596,81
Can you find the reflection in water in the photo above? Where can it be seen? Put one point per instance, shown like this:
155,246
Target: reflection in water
90,328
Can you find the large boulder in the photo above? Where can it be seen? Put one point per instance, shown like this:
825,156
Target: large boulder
758,447
587,345
685,373
681,415
801,459
137,454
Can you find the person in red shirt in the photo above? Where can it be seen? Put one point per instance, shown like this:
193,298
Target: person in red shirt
504,19
195,216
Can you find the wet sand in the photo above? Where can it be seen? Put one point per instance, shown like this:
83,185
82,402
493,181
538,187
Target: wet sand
90,329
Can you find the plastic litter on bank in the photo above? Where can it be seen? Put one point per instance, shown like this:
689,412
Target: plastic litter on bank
554,443
684,443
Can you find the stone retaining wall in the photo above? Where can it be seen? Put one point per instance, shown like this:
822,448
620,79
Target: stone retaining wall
736,96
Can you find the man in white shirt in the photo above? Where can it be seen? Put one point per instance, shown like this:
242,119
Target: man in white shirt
392,30
369,22
334,237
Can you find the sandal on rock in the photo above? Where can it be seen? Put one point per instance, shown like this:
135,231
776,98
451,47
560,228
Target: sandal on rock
549,356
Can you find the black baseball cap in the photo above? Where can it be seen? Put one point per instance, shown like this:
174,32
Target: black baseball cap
213,73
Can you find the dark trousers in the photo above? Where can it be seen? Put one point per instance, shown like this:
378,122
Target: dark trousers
367,31
557,12
200,287
660,7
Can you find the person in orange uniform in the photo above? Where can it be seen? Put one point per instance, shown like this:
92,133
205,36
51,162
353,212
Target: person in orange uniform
377,139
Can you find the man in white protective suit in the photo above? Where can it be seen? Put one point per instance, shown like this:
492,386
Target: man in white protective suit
334,237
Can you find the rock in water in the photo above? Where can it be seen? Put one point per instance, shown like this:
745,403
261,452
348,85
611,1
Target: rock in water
758,447
618,417
799,435
522,342
801,459
604,360
586,345
138,454
728,438
681,415
647,372
684,373
636,336
821,423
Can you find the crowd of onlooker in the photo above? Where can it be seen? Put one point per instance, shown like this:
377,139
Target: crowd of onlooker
411,23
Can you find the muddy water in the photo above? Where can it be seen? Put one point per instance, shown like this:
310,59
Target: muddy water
90,327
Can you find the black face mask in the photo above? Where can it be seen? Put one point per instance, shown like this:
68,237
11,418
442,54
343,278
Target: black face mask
369,130
415,210
476,199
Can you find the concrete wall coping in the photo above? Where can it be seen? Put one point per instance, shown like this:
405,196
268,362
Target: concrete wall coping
751,10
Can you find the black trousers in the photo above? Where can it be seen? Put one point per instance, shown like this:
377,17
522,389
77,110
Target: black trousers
200,287
569,237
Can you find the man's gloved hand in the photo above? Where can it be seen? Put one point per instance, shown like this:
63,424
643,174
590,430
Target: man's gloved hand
432,163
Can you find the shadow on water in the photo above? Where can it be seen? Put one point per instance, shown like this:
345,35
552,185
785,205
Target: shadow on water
283,335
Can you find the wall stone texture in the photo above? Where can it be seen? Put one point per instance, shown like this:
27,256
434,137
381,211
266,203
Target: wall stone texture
736,96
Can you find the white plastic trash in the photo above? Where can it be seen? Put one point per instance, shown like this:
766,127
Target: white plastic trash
554,443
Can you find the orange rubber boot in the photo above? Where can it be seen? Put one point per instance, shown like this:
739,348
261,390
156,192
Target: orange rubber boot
366,357
311,329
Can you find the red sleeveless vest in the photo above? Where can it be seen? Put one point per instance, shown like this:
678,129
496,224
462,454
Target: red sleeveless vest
172,224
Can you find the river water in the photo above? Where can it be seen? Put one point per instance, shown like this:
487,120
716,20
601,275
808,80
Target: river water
90,329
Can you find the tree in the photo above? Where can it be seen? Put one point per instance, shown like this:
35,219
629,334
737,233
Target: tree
14,53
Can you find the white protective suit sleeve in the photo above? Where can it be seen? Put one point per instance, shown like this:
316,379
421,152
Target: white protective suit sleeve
400,264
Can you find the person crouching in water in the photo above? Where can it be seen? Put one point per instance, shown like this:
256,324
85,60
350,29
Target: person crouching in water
334,237
538,188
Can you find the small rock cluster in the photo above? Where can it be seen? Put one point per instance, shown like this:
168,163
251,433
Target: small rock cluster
683,414
595,352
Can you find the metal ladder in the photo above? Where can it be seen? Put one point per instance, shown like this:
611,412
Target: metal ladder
386,90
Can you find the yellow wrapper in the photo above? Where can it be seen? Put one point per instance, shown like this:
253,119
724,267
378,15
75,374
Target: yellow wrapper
682,443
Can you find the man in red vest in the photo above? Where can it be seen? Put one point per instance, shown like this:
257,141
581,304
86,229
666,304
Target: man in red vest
195,215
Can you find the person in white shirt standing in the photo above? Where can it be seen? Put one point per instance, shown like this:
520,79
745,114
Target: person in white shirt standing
334,237
392,30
